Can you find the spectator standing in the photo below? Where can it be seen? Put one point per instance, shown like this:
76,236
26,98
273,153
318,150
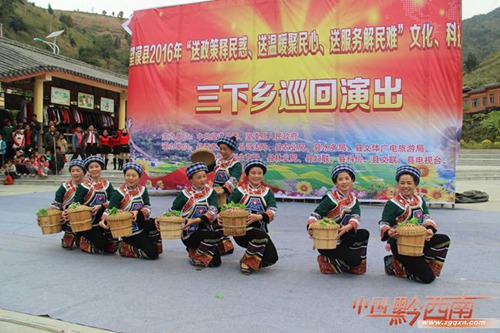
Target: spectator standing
90,141
77,143
29,140
62,143
7,131
115,143
3,151
105,150
36,127
50,138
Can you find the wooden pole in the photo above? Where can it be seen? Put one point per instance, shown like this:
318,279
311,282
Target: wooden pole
55,151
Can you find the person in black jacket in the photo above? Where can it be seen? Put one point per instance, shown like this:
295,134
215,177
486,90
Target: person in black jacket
36,127
50,138
90,141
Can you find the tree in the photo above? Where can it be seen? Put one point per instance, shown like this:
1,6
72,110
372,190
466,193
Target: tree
87,54
112,13
117,42
471,62
67,20
17,24
50,10
120,14
492,123
103,47
104,12
7,8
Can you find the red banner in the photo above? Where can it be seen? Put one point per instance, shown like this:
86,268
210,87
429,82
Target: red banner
303,84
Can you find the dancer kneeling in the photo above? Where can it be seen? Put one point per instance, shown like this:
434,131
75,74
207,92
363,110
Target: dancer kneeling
227,173
342,206
261,204
403,207
64,197
94,192
145,241
198,205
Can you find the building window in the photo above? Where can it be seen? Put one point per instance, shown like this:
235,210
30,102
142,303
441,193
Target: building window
475,102
466,101
492,99
484,101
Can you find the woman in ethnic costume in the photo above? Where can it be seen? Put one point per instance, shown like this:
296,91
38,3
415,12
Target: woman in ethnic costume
95,192
145,241
105,148
124,147
198,205
115,143
65,196
343,207
227,173
261,204
403,207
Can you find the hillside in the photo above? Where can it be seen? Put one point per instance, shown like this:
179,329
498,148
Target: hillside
481,49
486,72
93,38
101,41
481,35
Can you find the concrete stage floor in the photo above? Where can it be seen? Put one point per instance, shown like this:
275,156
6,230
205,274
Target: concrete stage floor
168,295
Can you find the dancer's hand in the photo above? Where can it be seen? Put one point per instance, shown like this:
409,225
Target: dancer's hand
64,216
429,235
251,218
190,222
393,233
219,221
309,230
103,224
344,229
95,209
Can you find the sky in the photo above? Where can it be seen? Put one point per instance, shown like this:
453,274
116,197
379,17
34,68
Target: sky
469,7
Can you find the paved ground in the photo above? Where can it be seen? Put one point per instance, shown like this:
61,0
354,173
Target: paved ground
168,295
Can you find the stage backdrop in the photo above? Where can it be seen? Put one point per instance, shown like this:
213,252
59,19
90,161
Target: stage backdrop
304,85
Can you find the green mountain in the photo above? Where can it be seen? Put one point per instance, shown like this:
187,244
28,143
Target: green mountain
481,35
481,49
100,40
93,38
486,72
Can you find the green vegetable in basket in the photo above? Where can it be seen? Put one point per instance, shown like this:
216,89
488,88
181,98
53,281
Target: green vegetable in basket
413,221
113,211
233,205
173,213
73,205
42,212
325,221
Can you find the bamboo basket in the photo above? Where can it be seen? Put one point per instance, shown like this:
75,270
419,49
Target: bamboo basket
80,218
120,223
221,196
234,222
50,223
411,239
325,235
203,155
170,226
